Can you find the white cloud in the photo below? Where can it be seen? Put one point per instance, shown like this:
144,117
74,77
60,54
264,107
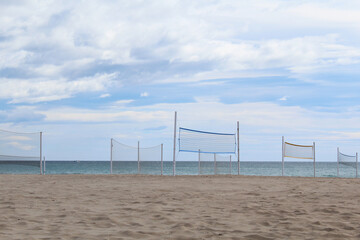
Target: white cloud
53,38
122,102
284,98
21,146
40,90
258,115
105,95
144,94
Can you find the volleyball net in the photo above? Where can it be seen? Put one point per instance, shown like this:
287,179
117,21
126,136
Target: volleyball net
212,163
347,160
291,150
127,159
20,149
191,140
215,150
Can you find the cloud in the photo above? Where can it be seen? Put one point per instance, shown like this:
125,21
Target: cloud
21,146
144,94
41,90
181,41
284,98
105,95
21,114
155,128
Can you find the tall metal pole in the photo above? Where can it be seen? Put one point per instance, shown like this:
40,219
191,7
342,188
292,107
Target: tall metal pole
356,165
174,144
111,156
338,155
40,153
238,148
314,157
214,163
138,157
162,155
282,156
199,167
230,165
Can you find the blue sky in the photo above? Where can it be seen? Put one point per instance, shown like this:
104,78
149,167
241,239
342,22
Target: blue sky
85,72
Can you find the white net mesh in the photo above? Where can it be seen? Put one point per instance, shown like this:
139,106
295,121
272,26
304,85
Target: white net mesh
150,160
19,148
347,160
131,160
124,158
298,151
211,163
207,142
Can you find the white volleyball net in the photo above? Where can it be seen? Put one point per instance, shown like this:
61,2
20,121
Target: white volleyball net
298,151
20,149
135,160
290,150
151,160
212,163
206,142
213,150
347,160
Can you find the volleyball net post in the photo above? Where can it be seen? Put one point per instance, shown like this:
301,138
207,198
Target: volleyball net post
238,147
174,149
313,149
357,164
138,156
337,160
41,153
230,165
162,158
199,166
282,156
214,163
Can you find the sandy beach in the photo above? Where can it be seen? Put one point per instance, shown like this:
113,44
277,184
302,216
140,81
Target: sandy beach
182,207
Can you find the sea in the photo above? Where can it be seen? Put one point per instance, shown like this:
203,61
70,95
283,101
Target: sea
266,168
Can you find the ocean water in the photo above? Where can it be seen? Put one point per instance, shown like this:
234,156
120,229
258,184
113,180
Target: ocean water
305,169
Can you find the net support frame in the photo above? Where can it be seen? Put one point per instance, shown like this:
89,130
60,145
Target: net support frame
283,155
314,158
338,160
199,166
238,147
111,156
162,157
174,149
138,156
41,153
356,165
214,163
230,165
44,169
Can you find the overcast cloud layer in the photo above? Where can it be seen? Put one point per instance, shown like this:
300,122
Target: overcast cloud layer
85,71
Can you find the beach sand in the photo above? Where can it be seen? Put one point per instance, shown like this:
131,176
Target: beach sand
182,207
